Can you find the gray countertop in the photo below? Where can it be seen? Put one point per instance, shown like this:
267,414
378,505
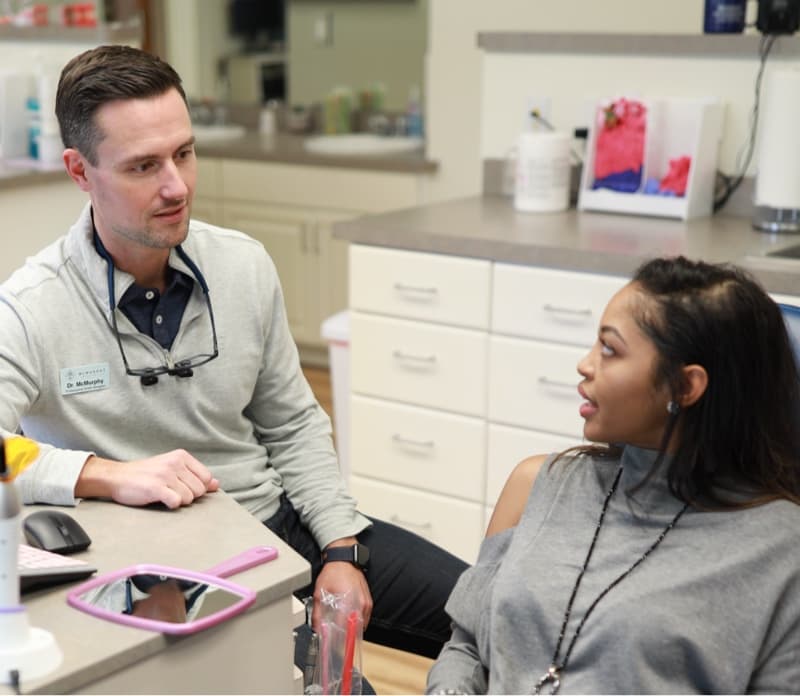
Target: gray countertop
283,148
18,174
489,227
211,530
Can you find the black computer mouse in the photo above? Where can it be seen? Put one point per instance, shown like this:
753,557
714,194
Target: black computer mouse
56,531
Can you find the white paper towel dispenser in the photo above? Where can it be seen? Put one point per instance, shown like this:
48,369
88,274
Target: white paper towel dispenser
777,194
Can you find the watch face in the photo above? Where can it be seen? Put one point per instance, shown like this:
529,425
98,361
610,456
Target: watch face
361,554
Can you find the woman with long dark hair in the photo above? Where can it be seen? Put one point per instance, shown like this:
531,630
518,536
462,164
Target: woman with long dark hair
664,558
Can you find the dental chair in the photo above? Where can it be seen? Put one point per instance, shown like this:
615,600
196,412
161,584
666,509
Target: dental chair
791,315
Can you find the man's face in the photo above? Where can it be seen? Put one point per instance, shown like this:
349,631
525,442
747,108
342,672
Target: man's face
143,183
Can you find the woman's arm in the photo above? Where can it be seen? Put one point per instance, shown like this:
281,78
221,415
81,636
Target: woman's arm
514,495
458,669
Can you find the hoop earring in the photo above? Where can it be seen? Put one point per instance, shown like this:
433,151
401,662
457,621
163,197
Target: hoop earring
673,408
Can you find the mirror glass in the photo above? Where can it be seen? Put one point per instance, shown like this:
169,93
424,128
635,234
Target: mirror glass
160,598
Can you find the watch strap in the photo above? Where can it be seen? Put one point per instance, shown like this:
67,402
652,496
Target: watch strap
357,554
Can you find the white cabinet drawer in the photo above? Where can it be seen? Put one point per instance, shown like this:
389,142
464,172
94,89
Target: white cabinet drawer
552,305
535,385
431,287
509,446
412,446
455,525
419,363
209,179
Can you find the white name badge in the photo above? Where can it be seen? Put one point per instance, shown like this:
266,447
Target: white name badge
84,378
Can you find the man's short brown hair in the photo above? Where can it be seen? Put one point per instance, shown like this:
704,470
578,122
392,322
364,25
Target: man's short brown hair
101,75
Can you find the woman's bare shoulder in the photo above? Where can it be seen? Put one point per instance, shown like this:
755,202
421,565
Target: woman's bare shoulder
515,494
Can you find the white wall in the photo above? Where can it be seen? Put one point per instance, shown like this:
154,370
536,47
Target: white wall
467,86
575,83
196,37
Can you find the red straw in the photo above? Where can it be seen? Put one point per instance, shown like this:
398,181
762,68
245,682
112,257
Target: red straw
325,649
349,652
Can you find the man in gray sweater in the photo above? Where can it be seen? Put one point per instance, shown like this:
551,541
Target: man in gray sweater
151,358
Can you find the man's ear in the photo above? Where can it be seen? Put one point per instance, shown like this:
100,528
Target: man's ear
695,382
75,165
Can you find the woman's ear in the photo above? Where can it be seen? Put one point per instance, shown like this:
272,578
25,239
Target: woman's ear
695,382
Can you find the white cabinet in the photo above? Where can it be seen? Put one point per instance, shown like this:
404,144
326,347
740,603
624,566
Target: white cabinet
34,216
207,203
311,264
419,348
460,368
412,362
533,384
291,210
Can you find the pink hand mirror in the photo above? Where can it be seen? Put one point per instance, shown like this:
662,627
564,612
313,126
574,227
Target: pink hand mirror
170,600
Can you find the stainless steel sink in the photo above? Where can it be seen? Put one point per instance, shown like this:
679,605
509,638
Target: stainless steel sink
362,144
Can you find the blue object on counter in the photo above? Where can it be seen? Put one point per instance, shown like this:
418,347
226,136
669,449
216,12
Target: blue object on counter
652,187
627,181
724,16
34,127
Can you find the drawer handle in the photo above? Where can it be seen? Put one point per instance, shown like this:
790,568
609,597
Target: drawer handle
547,382
410,357
424,526
400,440
567,310
416,289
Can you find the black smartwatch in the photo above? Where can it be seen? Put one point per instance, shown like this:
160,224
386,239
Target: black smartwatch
357,554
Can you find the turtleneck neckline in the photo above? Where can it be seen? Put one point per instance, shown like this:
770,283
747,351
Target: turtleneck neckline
654,496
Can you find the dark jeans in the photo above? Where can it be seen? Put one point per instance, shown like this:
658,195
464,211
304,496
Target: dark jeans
410,580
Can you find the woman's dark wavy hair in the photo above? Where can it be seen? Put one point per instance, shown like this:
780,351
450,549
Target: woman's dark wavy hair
101,75
742,436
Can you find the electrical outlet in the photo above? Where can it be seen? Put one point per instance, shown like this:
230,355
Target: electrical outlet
323,29
540,106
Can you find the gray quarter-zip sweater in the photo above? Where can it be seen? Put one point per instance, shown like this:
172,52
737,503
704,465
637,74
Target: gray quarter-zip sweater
715,608
249,415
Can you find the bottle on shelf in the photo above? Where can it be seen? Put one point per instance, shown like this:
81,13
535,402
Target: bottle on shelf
414,127
34,126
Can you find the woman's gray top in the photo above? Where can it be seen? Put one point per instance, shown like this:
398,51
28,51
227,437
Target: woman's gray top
715,608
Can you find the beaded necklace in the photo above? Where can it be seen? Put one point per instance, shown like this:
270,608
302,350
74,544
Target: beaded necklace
553,674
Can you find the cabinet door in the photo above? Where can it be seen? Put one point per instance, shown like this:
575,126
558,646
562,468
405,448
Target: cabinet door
534,385
416,363
550,304
333,259
418,447
509,446
288,239
207,210
455,525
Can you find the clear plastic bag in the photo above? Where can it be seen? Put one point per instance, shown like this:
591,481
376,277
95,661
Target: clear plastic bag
334,654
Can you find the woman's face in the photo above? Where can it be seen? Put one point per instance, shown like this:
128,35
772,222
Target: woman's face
622,403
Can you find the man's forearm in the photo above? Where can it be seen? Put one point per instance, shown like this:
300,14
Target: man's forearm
94,480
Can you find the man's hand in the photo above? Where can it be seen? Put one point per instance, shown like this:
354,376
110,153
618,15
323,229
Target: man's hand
174,478
341,577
165,602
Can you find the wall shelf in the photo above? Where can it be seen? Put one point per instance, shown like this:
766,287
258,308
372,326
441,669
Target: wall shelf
673,45
116,33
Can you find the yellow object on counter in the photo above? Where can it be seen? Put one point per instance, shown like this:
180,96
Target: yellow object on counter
18,453
338,111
